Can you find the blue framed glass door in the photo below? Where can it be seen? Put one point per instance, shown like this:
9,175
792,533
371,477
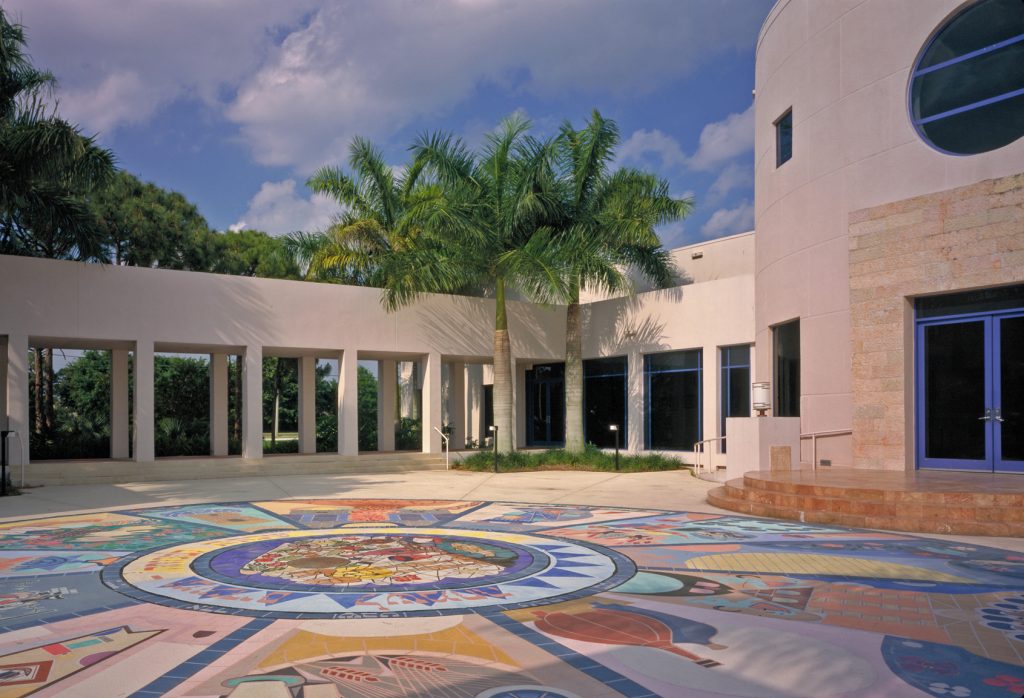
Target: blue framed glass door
1008,387
970,379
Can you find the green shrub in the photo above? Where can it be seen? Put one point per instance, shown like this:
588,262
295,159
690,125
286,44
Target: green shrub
592,458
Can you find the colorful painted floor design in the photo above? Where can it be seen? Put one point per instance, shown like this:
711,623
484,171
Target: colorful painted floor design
377,598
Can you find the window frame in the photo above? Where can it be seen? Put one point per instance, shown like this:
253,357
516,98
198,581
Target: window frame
778,125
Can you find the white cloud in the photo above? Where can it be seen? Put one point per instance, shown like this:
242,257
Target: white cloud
277,209
723,140
119,62
300,78
726,221
734,176
642,144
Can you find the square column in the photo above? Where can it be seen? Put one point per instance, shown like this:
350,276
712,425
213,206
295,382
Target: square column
348,403
16,398
120,430
635,401
218,404
387,387
307,404
474,404
145,448
431,408
252,402
457,404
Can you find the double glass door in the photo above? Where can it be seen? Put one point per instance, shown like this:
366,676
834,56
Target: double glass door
545,406
970,392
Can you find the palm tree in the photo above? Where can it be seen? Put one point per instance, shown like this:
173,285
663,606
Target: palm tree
47,168
372,225
493,227
609,221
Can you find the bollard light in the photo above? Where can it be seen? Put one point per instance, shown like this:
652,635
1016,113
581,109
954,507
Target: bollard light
494,432
615,429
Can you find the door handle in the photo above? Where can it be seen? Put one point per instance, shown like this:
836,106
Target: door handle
997,416
988,415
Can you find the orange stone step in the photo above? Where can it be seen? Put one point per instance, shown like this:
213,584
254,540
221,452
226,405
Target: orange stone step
984,513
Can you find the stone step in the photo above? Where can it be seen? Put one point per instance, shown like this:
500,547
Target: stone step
109,472
865,508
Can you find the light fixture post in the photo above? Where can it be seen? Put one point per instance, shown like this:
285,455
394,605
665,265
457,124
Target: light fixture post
494,432
615,429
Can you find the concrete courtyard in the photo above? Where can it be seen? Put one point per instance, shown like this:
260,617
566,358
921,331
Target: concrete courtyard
449,583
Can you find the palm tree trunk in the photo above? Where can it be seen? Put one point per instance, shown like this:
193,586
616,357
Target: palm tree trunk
37,386
574,378
503,408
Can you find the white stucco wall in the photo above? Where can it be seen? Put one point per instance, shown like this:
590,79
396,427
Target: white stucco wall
843,66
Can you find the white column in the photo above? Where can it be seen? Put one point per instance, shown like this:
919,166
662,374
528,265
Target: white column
307,404
16,398
348,403
387,385
431,408
710,409
252,402
474,404
145,412
635,401
120,428
218,404
457,404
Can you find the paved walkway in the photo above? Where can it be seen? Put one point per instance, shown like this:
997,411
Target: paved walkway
438,584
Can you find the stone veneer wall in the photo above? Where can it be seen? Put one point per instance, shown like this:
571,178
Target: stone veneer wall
955,240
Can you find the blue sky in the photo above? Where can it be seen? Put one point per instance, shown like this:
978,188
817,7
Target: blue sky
235,103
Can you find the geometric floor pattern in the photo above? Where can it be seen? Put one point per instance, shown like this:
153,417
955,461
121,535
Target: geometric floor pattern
371,598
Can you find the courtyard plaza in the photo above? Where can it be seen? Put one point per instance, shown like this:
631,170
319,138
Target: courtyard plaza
453,583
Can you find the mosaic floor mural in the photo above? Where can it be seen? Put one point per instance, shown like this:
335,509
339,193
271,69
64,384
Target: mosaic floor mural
379,598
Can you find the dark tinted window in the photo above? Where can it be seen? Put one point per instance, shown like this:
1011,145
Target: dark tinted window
735,400
784,138
672,393
967,91
786,345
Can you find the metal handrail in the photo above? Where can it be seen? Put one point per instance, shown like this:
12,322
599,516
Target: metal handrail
446,449
698,452
815,435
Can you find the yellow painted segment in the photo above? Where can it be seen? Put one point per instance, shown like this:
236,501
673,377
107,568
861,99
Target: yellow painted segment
804,563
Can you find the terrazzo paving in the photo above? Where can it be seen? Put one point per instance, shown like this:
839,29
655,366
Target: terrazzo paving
370,598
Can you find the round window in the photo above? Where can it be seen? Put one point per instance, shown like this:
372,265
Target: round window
967,89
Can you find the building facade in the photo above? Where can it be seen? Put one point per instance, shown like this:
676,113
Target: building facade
880,302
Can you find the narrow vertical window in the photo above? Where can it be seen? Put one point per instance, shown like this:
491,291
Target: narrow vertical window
604,400
784,138
786,350
672,397
735,400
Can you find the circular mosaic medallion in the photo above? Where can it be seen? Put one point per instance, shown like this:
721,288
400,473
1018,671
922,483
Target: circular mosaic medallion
368,571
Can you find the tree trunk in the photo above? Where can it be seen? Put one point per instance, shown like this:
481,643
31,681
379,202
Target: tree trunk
51,417
237,426
37,386
503,407
574,378
276,421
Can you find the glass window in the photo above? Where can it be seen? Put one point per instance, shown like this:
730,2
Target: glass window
735,401
786,348
672,398
784,138
967,90
604,400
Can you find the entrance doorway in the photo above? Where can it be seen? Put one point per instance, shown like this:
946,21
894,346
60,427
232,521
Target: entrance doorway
545,405
970,382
